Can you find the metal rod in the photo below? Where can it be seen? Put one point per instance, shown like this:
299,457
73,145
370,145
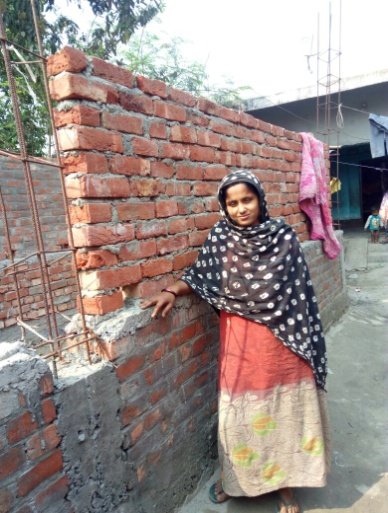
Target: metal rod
47,292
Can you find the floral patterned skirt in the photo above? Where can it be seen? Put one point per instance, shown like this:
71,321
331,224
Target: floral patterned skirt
273,426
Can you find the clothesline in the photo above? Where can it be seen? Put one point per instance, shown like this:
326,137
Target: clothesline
361,165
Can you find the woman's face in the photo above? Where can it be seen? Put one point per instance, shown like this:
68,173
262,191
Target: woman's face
242,205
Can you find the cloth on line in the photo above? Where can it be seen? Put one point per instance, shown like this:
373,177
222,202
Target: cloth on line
384,210
378,135
313,195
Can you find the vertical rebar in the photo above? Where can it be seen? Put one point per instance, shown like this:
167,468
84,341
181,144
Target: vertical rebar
47,292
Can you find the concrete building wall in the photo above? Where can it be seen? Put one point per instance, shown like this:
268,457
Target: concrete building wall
301,115
138,429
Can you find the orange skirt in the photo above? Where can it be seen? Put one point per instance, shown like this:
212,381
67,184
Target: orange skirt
273,425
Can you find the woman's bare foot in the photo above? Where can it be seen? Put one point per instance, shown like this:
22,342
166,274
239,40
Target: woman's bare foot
287,501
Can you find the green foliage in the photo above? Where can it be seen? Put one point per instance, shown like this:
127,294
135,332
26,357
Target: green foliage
148,55
118,19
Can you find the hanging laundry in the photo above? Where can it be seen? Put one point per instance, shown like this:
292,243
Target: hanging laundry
335,185
378,135
313,195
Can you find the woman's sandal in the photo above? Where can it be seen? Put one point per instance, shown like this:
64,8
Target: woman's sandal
217,494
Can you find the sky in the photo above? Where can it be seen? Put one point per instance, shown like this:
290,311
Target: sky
265,44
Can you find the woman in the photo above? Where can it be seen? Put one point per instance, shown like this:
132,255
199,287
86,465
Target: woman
272,432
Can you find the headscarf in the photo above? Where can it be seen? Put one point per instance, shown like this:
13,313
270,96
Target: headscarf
259,272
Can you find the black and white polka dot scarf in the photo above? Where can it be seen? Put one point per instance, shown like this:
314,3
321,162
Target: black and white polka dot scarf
259,272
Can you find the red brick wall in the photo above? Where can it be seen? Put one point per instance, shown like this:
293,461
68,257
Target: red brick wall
54,232
143,161
31,462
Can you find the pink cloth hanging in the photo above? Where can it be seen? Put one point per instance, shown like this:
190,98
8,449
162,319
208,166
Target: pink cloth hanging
313,195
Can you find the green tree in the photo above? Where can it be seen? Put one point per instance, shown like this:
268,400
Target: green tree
117,20
148,55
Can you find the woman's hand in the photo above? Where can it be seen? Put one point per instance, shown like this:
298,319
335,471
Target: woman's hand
164,301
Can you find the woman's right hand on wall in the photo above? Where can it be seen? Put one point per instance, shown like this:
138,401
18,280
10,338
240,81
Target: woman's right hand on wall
164,302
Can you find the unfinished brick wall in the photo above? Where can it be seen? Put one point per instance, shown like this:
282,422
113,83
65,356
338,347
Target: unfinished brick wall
31,462
52,217
143,162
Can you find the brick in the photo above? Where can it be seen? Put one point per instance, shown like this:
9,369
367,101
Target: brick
40,472
178,96
144,187
154,87
54,494
100,305
151,287
135,210
209,139
166,208
157,395
152,419
205,189
90,186
187,373
6,500
151,229
136,103
197,118
181,336
130,166
174,188
21,427
46,385
248,120
98,235
68,86
174,151
136,433
222,127
177,226
132,365
110,278
202,154
169,111
198,238
161,170
172,244
156,267
89,138
43,442
90,213
227,158
123,123
68,59
78,115
129,413
184,134
95,258
187,172
184,260
147,147
158,130
112,73
85,163
206,221
137,250
214,172
49,412
11,461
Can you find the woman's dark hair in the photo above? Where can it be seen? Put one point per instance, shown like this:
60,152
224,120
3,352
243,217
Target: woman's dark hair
223,191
